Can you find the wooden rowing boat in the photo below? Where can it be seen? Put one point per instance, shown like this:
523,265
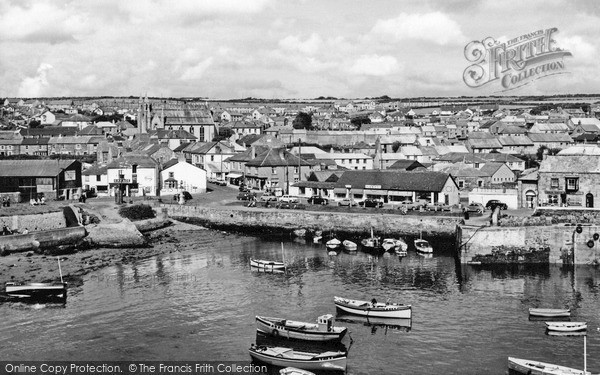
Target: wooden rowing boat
528,367
373,308
566,326
550,313
287,357
349,245
323,330
294,371
267,264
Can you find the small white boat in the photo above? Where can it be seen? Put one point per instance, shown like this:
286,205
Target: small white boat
549,313
423,246
528,367
349,245
394,244
373,308
566,326
317,239
323,330
294,371
267,264
333,243
287,357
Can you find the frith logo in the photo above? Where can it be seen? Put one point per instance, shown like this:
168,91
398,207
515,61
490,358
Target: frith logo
515,63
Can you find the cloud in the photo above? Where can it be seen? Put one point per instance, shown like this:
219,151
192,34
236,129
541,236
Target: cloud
308,47
432,27
35,86
198,70
45,22
375,65
579,47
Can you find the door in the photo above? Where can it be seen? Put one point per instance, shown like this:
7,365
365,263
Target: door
589,200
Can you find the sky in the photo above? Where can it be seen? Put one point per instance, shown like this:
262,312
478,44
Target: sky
280,49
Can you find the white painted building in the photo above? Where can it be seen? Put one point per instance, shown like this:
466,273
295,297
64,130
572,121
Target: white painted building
133,174
178,176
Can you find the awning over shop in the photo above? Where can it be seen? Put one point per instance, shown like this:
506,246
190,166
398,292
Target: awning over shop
234,175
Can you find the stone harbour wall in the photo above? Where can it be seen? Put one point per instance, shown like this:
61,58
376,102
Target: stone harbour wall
34,222
262,221
530,244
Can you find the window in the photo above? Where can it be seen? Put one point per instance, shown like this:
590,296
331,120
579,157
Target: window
572,184
171,174
553,199
273,170
98,177
134,168
461,184
554,183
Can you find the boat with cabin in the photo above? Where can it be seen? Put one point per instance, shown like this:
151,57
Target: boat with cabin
323,330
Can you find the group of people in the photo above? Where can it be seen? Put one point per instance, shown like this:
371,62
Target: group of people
36,202
6,231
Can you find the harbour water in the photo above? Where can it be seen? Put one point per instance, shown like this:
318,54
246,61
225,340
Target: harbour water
199,304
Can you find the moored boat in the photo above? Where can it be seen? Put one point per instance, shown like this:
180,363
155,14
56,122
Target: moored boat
566,326
267,264
394,244
528,367
294,371
549,313
323,330
371,243
423,246
349,245
287,357
373,308
37,291
333,244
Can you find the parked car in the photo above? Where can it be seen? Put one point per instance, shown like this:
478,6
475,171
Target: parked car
416,205
475,207
268,197
439,206
245,196
369,202
347,202
289,199
493,203
317,199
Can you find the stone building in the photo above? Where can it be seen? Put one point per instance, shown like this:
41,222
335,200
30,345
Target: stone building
572,177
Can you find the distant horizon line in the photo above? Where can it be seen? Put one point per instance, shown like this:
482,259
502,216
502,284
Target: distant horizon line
320,98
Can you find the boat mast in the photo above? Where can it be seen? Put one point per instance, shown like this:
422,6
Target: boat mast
60,271
282,253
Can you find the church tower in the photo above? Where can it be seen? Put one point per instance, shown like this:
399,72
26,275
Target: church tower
144,110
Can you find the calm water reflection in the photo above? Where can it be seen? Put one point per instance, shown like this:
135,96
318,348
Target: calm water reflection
200,303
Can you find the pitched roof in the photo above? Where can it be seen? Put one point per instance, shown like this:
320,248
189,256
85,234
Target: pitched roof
276,157
406,165
550,137
570,164
33,168
425,181
129,159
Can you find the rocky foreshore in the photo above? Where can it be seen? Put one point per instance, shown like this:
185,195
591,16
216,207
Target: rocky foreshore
35,267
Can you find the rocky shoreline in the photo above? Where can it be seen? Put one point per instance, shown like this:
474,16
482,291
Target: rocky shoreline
33,267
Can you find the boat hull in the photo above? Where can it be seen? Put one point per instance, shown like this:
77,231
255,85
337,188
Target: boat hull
267,264
37,291
333,244
549,313
271,327
527,367
334,363
350,246
566,326
423,246
365,308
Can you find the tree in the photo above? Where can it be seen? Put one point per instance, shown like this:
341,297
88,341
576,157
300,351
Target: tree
395,146
302,121
358,121
224,133
35,124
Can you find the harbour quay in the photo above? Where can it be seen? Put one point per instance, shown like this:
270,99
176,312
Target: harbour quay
281,221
